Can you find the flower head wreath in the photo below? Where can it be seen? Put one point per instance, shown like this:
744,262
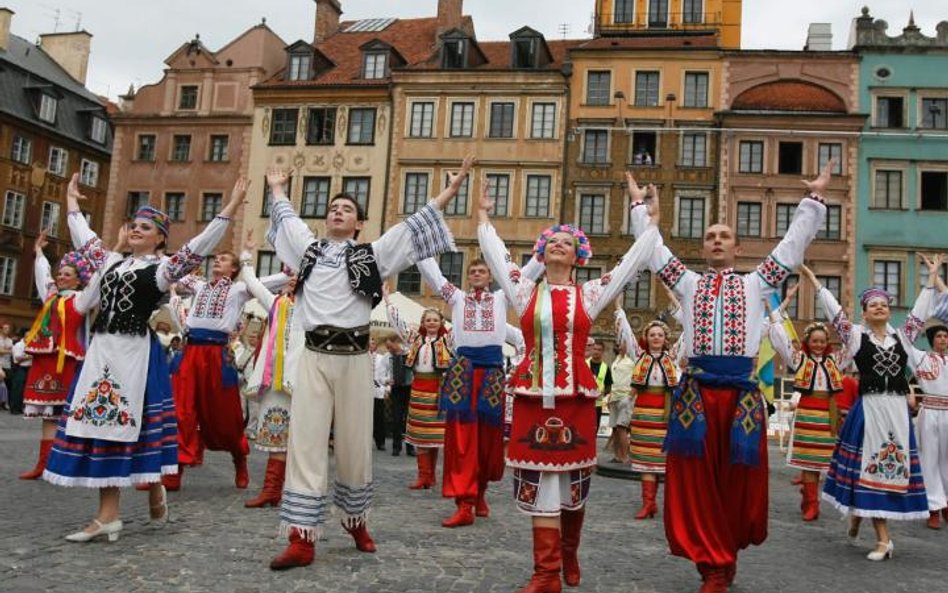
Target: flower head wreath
80,264
580,242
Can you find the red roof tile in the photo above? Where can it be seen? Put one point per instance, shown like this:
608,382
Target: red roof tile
789,95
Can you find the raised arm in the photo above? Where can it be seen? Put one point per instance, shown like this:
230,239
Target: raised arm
624,333
431,273
455,180
255,287
395,318
288,234
849,335
42,274
597,294
516,287
924,304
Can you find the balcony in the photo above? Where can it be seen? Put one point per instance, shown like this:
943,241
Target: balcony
678,21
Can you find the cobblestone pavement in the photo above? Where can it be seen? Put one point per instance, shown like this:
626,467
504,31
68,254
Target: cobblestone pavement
214,544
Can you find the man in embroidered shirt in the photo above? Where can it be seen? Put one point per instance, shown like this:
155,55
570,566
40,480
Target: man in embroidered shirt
338,285
716,494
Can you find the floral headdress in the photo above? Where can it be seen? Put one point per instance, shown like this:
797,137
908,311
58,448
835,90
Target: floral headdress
80,264
580,242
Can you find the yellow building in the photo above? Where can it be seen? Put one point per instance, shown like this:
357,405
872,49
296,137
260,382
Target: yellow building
699,17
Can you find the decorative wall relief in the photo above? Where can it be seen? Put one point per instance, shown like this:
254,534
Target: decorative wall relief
265,123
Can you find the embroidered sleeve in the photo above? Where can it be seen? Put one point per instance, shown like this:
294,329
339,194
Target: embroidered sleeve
431,273
788,254
94,251
672,272
772,272
79,229
191,254
430,235
190,284
397,323
598,294
921,311
179,265
849,335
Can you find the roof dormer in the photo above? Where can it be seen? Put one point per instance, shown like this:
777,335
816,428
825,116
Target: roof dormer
305,62
529,49
459,50
378,59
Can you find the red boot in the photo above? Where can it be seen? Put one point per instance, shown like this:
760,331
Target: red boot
272,490
424,468
46,445
649,506
934,521
547,562
299,553
571,525
172,482
715,580
461,517
811,501
363,541
432,466
241,473
797,479
481,508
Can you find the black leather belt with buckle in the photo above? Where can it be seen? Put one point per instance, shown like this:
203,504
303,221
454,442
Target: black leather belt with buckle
338,340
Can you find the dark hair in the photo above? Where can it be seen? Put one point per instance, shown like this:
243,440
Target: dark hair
360,211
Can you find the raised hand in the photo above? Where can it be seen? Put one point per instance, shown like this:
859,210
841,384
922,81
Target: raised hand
121,243
654,205
818,186
791,292
73,195
456,179
250,244
41,242
808,274
277,180
238,197
636,193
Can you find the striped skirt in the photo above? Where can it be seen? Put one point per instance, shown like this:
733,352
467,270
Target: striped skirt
425,420
813,434
647,430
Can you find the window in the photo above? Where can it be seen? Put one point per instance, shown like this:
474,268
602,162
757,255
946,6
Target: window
691,218
829,151
498,188
646,89
831,228
525,52
889,112
361,126
211,205
452,267
790,158
49,219
645,145
89,173
934,114
98,130
462,120
458,204
14,204
47,108
624,12
543,124
454,54
283,127
300,66
793,307
174,206
934,190
268,264
136,199
592,213
7,275
657,14
598,87
501,120
596,146
538,196
887,275
315,197
58,161
416,192
696,89
421,124
888,190
923,275
834,285
181,148
358,188
752,157
748,219
694,149
321,129
409,281
375,65
784,217
22,151
638,294
268,196
584,275
692,12
146,147
188,98
219,148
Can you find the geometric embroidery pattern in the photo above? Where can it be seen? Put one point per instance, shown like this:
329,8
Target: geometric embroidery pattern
672,272
772,271
211,300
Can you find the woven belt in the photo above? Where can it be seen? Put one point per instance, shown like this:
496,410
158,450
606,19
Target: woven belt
338,340
935,402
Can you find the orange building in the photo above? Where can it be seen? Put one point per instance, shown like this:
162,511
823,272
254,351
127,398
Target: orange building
658,17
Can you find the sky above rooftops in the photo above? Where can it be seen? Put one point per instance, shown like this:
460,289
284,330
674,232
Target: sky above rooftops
131,38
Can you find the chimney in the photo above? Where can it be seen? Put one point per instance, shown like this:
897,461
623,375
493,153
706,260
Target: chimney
819,37
6,16
450,13
70,50
327,19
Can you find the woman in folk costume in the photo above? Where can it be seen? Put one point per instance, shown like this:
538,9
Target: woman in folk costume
430,349
815,424
274,372
654,377
875,470
57,343
119,426
552,447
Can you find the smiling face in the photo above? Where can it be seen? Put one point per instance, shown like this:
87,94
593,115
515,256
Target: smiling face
655,338
720,246
940,342
817,342
877,310
67,278
342,219
431,321
144,236
560,249
478,276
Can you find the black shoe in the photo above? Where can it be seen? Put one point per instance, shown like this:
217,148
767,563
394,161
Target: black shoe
410,452
379,447
396,452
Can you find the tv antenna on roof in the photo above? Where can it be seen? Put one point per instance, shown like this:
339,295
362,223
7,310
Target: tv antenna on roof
564,30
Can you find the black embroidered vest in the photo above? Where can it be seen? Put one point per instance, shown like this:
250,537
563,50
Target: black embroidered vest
881,370
363,269
127,300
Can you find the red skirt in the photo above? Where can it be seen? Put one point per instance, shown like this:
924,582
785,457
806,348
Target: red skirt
559,439
45,386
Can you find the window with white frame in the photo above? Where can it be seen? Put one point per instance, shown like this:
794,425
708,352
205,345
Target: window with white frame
283,127
7,275
49,218
268,264
174,206
188,99
315,202
923,274
748,219
598,87
690,217
694,149
321,129
624,12
596,147
210,205
831,230
585,274
58,161
887,193
181,148
696,89
784,217
834,285
14,204
934,115
361,126
638,294
462,120
89,173
98,130
135,200
219,146
22,150
358,188
375,65
501,120
146,147
658,14
831,150
647,88
890,112
751,156
300,65
421,123
452,267
887,275
691,12
592,213
498,188
458,204
538,196
543,123
47,108
415,195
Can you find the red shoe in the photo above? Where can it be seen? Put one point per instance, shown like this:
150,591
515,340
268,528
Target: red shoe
571,527
547,562
649,494
425,478
715,580
172,482
272,490
299,553
241,473
934,521
481,508
811,501
363,541
143,487
46,445
730,572
463,516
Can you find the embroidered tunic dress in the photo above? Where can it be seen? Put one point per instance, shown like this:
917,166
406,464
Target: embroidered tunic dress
552,447
58,345
875,471
119,427
931,369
